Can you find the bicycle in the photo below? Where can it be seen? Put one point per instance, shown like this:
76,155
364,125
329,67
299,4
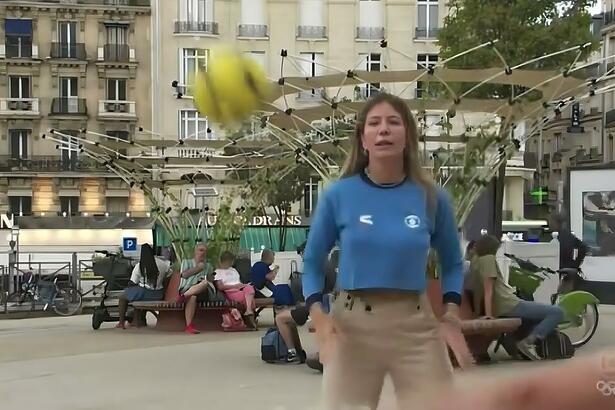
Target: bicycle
65,300
580,307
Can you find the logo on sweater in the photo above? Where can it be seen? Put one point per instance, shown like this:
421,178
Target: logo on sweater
366,219
412,221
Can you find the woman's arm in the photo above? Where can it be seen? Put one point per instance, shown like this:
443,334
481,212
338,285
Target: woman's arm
445,240
488,285
322,237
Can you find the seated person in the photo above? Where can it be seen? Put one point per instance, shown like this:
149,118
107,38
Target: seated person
227,280
148,275
193,284
286,321
499,297
262,275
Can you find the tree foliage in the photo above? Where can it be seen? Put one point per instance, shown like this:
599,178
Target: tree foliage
524,29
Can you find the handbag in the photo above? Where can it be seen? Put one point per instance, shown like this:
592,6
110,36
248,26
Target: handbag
232,321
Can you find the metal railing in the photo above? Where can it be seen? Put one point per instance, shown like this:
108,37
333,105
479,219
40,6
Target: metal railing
609,17
68,50
370,33
68,105
253,30
208,27
311,32
48,164
133,3
116,52
428,33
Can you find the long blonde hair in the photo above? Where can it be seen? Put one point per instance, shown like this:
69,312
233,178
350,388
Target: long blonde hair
358,159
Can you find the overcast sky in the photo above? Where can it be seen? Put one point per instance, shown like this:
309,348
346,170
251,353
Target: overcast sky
597,8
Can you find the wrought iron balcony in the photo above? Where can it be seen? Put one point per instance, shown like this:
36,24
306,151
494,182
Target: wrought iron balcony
48,164
207,27
121,53
68,106
370,33
74,51
426,33
311,32
253,30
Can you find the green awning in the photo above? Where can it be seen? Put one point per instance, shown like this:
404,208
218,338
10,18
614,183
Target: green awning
254,238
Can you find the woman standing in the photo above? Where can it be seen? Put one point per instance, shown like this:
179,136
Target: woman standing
385,214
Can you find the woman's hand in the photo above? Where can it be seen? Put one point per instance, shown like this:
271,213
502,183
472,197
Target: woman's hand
450,328
326,336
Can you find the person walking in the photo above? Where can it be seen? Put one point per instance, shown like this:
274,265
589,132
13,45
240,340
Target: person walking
385,214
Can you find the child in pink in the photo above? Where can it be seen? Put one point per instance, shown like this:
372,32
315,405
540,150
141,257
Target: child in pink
227,280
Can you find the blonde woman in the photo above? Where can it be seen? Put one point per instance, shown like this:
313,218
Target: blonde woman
384,213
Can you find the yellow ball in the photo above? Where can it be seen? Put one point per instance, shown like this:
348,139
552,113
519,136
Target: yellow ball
231,88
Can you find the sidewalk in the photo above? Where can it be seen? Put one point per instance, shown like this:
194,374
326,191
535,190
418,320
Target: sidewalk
61,363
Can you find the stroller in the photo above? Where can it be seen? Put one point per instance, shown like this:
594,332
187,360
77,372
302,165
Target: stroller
116,270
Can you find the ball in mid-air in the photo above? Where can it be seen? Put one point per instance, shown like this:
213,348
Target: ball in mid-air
231,88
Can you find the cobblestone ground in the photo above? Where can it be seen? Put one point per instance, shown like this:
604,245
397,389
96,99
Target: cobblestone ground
61,363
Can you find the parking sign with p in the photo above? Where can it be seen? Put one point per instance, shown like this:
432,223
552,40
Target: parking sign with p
129,244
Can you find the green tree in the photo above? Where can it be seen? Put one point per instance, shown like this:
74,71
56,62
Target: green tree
524,29
285,186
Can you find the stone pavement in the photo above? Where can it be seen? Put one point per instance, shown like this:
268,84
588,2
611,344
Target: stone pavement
61,363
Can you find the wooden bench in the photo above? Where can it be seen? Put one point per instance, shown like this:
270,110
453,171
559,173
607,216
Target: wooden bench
479,333
171,318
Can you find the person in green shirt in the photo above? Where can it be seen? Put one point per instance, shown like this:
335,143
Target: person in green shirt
193,284
498,298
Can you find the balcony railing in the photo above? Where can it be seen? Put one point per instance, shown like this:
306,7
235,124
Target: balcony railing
68,106
48,164
316,94
609,18
208,27
426,33
116,53
116,108
68,50
19,106
311,32
370,33
252,30
134,3
14,48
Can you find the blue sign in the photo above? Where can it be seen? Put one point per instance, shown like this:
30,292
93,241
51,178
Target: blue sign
129,244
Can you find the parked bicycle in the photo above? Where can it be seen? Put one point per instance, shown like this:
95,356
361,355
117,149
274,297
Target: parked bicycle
580,307
116,269
64,299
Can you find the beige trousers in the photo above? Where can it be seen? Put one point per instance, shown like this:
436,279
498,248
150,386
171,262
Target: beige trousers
380,334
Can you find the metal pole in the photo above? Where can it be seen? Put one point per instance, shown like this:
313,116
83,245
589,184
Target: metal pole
76,279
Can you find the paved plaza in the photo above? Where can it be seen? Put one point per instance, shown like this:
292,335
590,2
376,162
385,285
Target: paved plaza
61,363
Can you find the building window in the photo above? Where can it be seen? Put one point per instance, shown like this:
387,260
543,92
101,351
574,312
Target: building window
116,89
425,61
69,204
20,205
117,34
195,11
67,39
19,87
427,25
70,150
310,196
192,61
312,66
117,205
18,38
18,141
122,135
259,57
192,126
371,63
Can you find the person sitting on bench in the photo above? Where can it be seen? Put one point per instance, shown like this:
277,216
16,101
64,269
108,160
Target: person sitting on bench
193,284
262,275
227,280
148,275
499,297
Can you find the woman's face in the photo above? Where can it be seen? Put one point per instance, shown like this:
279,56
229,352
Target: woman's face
384,134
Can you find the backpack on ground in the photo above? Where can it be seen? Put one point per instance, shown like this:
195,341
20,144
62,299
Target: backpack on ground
273,348
555,346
